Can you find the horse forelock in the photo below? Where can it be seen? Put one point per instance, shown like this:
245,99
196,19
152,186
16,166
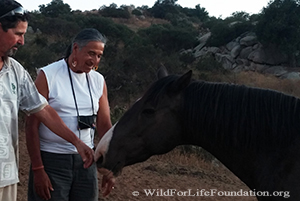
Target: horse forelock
239,115
158,89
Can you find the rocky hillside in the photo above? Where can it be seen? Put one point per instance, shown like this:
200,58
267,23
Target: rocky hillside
246,53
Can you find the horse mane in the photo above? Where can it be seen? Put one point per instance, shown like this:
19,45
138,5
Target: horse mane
240,115
236,114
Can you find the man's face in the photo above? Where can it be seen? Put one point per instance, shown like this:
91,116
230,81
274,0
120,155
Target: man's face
88,56
11,40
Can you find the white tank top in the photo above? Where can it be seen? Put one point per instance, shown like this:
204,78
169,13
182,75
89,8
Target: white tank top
61,98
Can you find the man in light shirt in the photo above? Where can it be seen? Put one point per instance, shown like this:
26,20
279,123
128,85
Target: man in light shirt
18,92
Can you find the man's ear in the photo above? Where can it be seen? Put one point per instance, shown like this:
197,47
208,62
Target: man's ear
75,47
1,29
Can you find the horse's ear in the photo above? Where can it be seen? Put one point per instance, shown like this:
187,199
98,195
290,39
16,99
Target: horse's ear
182,82
162,72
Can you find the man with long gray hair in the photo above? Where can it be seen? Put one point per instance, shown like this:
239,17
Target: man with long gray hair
78,93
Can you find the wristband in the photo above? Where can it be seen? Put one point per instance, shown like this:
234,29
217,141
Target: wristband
37,168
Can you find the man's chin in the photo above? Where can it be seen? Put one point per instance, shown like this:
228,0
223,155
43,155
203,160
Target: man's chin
11,52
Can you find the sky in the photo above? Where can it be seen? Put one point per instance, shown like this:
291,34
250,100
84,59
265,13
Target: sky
217,8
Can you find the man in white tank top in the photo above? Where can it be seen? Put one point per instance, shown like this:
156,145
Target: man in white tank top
79,96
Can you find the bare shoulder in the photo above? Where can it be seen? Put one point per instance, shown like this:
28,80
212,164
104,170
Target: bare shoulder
41,84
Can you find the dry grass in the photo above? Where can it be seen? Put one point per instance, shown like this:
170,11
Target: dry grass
254,79
135,23
197,158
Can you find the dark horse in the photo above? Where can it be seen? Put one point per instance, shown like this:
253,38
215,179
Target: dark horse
254,132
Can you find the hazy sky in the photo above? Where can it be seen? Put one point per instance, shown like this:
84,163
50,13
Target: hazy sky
215,8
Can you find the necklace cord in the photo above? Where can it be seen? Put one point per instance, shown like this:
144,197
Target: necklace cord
78,116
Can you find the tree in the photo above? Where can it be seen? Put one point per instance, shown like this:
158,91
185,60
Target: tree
224,31
170,39
197,12
241,15
162,7
279,26
55,8
114,11
166,2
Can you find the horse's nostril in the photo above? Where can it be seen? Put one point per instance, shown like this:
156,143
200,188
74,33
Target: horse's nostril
100,161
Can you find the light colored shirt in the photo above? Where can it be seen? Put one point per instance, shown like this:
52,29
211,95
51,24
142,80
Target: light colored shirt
17,92
61,98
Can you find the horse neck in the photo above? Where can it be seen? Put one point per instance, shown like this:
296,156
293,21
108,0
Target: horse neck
201,116
196,112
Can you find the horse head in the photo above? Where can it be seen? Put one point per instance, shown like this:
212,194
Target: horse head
150,127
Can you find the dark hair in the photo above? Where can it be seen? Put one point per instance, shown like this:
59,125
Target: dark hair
9,22
84,37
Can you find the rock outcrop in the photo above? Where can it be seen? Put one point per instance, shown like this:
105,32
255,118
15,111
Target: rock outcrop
247,53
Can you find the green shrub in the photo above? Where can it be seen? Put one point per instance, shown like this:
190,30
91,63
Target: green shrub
115,12
136,12
222,32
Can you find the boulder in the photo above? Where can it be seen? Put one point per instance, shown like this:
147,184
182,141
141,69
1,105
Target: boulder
245,52
226,60
199,47
244,62
259,67
270,56
231,45
213,50
248,40
239,68
206,50
236,51
291,76
204,38
275,70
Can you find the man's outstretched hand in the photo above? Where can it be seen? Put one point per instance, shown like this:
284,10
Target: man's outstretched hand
86,153
108,182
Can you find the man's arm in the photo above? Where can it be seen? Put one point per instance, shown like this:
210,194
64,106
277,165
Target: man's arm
42,183
50,118
103,115
103,125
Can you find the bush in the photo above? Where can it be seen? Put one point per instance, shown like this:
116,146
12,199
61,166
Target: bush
187,58
55,8
222,32
279,25
209,63
136,12
163,7
115,12
169,38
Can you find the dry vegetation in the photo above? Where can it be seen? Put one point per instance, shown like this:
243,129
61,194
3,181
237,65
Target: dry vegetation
135,23
254,79
290,87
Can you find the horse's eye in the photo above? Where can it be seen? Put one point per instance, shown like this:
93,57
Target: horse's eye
148,112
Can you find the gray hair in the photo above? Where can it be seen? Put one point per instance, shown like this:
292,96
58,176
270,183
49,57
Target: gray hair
87,35
84,37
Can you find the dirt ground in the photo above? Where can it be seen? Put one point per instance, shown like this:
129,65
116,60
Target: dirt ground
172,176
